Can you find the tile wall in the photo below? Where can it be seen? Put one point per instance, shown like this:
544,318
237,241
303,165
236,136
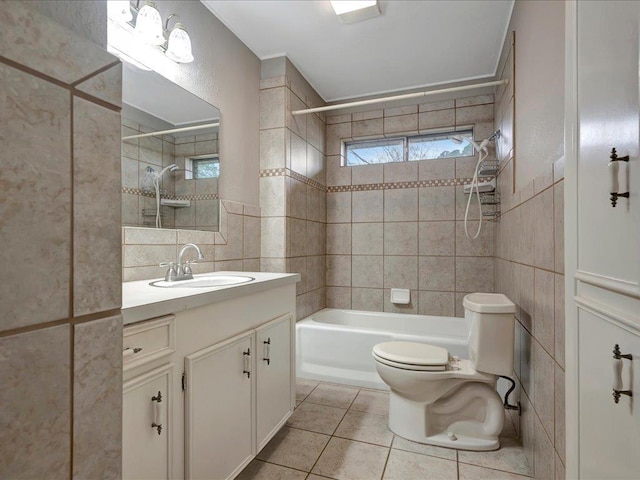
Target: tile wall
293,186
530,271
235,247
61,330
138,194
400,225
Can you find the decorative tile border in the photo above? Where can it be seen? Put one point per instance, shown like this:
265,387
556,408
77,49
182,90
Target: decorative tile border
451,182
146,193
287,172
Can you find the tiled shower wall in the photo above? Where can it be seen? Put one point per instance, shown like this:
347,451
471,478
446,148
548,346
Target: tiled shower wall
400,225
293,186
530,271
61,330
138,195
235,247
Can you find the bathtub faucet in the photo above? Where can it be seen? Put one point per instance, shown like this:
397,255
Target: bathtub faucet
180,271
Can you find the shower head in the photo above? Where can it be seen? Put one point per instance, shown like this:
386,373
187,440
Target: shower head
171,168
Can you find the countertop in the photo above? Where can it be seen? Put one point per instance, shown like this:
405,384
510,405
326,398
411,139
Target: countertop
141,301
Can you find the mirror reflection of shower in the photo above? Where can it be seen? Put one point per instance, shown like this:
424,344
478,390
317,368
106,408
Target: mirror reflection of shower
156,184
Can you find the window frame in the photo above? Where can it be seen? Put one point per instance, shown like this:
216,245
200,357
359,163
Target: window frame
189,161
463,131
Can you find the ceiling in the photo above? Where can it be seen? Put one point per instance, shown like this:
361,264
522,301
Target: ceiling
413,44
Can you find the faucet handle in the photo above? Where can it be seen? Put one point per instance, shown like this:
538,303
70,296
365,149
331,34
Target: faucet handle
171,272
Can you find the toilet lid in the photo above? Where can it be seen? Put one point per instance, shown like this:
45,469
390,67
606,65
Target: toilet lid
411,353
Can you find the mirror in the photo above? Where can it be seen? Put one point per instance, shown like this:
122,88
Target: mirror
170,154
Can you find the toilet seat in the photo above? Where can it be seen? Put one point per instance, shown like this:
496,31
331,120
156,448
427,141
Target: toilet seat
412,356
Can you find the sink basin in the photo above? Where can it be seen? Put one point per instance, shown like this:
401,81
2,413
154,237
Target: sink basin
204,281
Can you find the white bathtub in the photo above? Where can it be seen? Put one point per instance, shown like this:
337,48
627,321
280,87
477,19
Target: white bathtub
335,345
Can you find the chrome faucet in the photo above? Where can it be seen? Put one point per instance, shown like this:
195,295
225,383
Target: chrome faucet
180,271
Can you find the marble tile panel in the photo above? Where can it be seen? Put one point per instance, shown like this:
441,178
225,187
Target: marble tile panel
298,152
331,119
345,459
436,273
35,397
371,401
272,108
510,458
273,265
251,236
559,320
316,272
335,135
436,169
401,124
106,86
558,226
294,448
440,105
461,205
436,303
544,388
474,274
367,128
527,297
339,207
367,115
367,174
299,265
298,123
338,297
130,210
560,472
401,238
96,245
316,205
526,430
37,42
315,132
400,443
272,148
36,190
148,255
436,238
367,271
367,299
403,110
483,246
296,198
543,230
232,250
367,239
401,205
248,265
466,166
273,239
339,396
259,470
336,173
401,272
544,455
316,165
400,172
475,100
368,206
339,238
404,465
475,114
132,274
297,237
149,236
543,321
436,203
436,119
304,387
208,215
559,424
472,472
365,427
338,270
316,418
97,399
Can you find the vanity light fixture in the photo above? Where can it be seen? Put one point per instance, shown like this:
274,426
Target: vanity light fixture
178,42
351,11
149,24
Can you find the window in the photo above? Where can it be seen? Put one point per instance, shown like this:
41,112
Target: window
202,166
403,149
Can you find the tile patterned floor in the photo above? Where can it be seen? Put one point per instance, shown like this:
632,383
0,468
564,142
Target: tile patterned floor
340,432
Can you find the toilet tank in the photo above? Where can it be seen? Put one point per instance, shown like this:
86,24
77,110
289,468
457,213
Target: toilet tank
492,318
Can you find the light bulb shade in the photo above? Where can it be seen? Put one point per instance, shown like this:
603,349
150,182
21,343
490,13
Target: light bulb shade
179,45
119,10
149,25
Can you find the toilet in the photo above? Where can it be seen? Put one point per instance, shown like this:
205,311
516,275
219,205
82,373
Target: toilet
442,400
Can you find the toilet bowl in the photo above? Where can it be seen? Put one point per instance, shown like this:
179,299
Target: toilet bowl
441,400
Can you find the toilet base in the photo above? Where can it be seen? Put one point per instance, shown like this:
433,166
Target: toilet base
453,422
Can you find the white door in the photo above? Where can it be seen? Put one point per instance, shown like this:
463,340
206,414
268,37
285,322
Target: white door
275,377
146,425
219,437
602,241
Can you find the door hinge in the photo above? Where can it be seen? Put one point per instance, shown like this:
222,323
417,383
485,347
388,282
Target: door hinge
184,381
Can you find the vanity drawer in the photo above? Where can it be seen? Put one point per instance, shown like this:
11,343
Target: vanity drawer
148,341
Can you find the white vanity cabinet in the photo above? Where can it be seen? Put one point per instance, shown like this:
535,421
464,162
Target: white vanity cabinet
230,381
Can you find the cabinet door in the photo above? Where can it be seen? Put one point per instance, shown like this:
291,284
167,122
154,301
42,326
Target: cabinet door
275,377
219,410
609,431
146,425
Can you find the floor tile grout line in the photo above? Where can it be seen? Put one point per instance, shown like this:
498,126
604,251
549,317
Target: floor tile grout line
386,462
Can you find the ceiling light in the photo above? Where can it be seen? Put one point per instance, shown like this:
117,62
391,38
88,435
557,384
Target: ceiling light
149,24
178,43
350,11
